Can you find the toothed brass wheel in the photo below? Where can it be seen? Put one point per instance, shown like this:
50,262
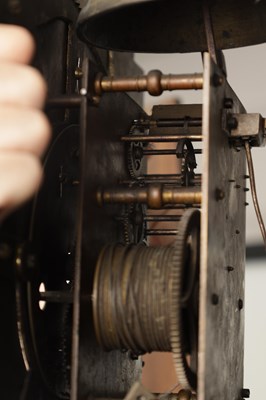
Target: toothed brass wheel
135,160
185,152
184,302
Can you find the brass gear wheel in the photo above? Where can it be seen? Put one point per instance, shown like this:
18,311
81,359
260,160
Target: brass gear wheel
135,160
188,161
185,260
134,225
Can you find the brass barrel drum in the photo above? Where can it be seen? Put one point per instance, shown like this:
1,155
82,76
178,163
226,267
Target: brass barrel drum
146,298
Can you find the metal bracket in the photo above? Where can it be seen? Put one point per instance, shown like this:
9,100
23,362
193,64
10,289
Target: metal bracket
242,127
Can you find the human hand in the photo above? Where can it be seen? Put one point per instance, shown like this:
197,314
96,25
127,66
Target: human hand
24,129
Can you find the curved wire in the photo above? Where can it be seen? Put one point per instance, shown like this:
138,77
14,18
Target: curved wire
254,191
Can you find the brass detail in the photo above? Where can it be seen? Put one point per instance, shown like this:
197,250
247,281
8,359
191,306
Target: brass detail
154,83
154,195
78,73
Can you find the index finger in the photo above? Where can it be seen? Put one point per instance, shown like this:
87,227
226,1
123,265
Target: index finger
16,44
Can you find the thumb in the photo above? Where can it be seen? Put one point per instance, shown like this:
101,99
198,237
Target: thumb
16,44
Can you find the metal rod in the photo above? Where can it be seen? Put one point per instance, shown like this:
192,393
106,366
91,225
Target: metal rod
164,176
53,296
173,207
161,232
176,181
254,191
158,176
160,138
154,152
56,297
70,101
164,152
157,396
162,218
179,206
154,195
179,123
154,83
79,235
196,184
145,181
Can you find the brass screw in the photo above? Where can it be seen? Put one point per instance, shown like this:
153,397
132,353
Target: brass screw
78,73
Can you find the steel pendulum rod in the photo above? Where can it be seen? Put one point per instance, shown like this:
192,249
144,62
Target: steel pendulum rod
254,191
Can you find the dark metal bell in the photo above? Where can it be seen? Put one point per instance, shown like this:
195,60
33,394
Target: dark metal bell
168,26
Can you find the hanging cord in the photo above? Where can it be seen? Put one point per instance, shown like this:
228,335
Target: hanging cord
254,191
